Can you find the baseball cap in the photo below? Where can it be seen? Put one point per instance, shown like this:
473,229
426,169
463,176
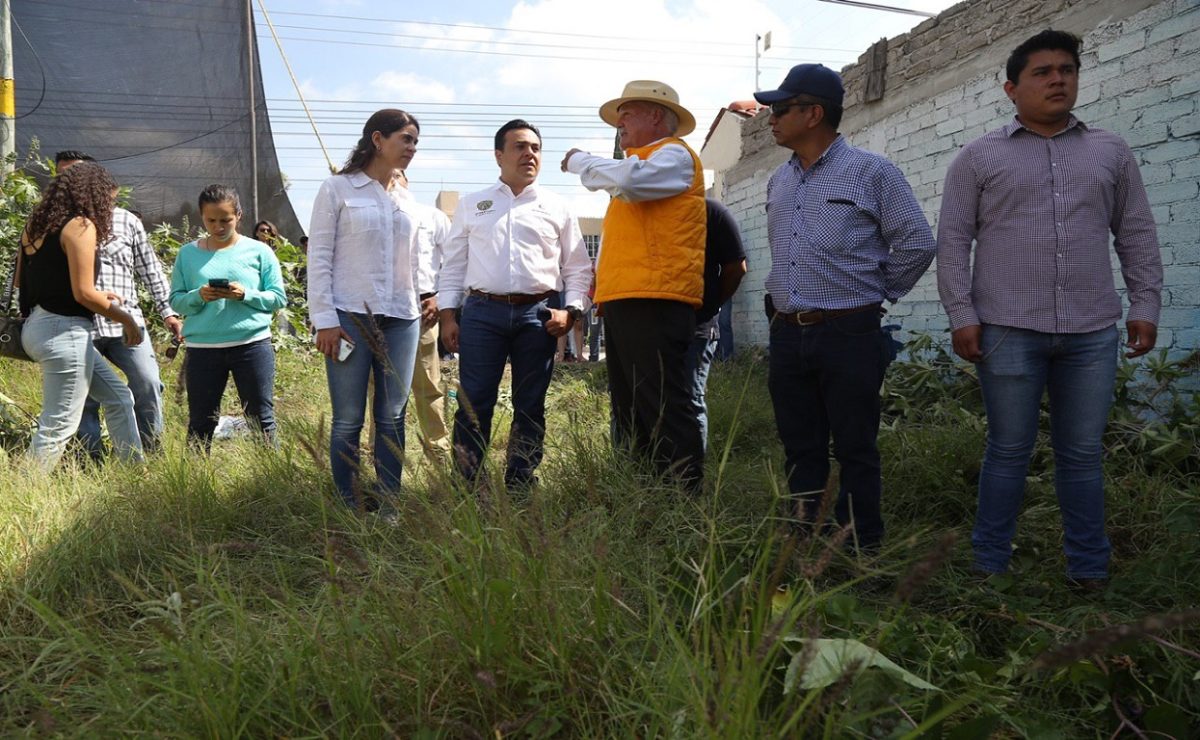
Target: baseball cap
806,79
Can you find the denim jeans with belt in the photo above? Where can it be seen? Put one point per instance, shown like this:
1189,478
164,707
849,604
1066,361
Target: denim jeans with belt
73,371
1079,372
207,371
142,375
492,333
396,340
824,381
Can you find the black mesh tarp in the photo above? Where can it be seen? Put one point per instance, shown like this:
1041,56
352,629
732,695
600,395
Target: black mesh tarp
157,90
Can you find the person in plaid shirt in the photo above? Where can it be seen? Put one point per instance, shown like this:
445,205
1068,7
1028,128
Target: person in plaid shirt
124,258
846,234
1038,312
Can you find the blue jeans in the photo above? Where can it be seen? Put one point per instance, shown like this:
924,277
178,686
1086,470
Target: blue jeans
141,374
392,370
1079,370
725,331
207,371
824,381
491,333
697,364
73,371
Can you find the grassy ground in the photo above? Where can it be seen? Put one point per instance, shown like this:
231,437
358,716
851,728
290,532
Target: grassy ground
229,596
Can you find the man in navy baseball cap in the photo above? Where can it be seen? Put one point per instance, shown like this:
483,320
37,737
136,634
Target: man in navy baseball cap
814,80
846,236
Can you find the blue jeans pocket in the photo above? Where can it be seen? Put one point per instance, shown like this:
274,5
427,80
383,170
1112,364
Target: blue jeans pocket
991,338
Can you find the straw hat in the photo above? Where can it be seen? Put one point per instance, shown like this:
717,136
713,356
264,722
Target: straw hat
651,91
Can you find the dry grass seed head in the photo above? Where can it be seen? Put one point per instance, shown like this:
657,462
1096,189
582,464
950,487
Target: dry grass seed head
924,569
1096,642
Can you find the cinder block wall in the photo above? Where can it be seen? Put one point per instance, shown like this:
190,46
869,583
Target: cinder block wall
1140,78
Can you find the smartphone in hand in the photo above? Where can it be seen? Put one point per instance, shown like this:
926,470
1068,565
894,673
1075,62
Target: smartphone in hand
221,283
345,347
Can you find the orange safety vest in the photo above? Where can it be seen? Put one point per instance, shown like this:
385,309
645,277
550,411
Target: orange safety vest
655,248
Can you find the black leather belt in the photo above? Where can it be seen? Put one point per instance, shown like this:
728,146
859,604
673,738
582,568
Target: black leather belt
513,299
811,318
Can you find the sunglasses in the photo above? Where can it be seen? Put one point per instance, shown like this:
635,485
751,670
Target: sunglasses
779,109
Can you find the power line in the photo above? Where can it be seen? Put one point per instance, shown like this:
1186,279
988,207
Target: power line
388,34
607,62
189,28
96,117
295,83
471,26
173,110
41,69
373,102
168,112
656,40
176,144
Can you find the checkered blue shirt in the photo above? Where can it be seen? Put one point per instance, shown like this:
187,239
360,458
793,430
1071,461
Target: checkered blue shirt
1039,211
844,233
125,256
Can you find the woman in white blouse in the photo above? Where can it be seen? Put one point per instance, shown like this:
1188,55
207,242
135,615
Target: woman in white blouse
363,301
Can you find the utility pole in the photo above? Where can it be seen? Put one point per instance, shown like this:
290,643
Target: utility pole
766,44
253,114
8,101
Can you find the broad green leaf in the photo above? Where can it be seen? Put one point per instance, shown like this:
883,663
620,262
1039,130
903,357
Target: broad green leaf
833,657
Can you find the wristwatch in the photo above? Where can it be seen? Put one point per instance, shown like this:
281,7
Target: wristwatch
575,312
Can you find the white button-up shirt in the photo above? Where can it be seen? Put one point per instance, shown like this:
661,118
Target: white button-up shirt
433,228
361,252
668,171
501,243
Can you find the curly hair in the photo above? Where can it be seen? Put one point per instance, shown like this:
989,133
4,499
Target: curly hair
85,189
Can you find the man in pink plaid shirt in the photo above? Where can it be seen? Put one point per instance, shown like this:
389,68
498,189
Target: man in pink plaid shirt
1039,198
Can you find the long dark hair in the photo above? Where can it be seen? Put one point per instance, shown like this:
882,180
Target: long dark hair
87,190
387,122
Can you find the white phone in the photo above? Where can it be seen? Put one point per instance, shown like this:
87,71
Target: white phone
345,347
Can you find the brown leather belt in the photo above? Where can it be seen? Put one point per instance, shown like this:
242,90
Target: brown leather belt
513,299
811,318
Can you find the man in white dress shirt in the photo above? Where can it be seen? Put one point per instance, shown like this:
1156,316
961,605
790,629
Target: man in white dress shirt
433,228
512,248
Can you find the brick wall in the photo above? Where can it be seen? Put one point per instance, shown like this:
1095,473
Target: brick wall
1140,78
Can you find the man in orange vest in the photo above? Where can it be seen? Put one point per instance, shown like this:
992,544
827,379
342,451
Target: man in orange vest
650,273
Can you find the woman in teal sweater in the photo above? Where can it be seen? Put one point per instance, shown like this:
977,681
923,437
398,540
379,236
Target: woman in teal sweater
227,286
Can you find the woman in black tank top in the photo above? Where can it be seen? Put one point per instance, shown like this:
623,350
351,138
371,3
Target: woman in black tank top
56,269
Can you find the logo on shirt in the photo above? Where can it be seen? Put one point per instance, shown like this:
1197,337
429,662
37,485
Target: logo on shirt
483,206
